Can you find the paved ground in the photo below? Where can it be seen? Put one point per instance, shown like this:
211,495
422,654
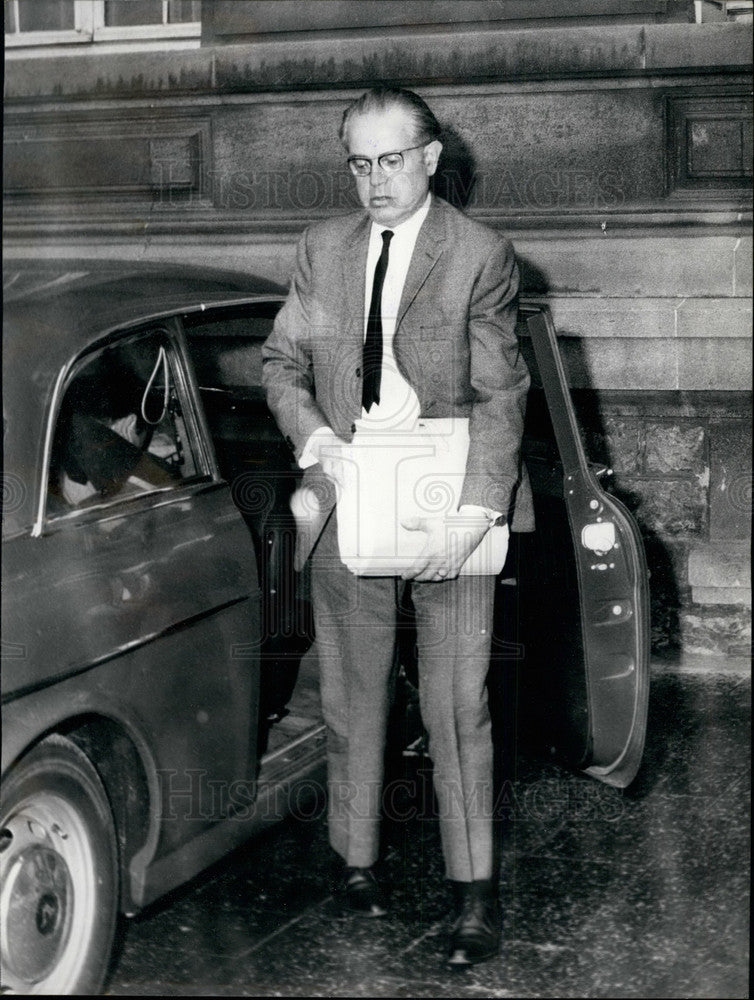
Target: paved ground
643,893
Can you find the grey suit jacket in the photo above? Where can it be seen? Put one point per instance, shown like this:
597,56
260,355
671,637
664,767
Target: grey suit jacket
454,343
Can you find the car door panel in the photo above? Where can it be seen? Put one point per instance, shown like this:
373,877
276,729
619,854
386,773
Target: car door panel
583,586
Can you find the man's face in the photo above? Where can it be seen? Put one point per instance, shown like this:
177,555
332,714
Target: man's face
391,198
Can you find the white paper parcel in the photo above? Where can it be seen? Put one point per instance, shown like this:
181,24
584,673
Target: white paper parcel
390,477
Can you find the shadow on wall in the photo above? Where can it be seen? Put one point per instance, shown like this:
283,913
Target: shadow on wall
455,177
455,181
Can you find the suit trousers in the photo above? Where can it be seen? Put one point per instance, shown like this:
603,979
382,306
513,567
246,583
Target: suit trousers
355,621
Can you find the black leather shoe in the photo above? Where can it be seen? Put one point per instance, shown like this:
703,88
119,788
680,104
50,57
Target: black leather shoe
360,894
475,933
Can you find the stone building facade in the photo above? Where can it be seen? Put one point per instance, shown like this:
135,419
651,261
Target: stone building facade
612,141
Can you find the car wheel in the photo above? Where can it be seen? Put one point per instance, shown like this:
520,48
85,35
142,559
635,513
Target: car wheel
58,862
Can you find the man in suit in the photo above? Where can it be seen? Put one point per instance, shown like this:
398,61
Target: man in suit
405,310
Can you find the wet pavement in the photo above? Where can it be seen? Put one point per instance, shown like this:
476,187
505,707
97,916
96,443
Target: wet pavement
606,893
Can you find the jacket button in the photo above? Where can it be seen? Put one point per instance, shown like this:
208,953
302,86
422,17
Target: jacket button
353,428
358,373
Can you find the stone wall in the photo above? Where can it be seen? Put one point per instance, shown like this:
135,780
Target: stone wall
617,155
682,465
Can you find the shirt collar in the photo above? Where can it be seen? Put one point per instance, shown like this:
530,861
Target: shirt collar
410,227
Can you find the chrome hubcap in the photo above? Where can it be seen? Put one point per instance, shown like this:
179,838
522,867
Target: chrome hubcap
38,891
47,893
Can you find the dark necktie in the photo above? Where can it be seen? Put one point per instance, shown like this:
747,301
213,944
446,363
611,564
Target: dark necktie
372,363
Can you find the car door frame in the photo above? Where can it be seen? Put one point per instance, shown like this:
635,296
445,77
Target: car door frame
613,588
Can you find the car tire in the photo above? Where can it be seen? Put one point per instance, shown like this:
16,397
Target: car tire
58,861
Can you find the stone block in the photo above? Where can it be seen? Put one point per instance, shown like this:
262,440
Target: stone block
720,564
618,363
419,56
667,564
713,318
712,364
721,595
685,45
630,267
744,266
730,479
691,318
622,439
672,448
716,630
670,507
632,318
97,74
612,439
656,363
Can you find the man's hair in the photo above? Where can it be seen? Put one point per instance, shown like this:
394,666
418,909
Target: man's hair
384,98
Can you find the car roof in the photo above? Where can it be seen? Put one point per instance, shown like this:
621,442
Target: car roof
54,309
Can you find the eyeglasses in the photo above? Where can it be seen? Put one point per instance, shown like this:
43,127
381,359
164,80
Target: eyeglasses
391,163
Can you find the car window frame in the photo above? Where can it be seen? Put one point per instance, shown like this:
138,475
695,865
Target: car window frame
193,417
211,313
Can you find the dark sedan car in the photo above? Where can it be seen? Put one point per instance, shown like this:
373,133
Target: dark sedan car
159,702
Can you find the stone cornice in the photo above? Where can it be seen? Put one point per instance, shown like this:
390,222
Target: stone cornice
53,224
414,59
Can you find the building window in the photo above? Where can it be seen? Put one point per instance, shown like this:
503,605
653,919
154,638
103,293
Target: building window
117,23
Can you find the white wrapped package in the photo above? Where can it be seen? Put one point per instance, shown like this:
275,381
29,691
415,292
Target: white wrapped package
402,474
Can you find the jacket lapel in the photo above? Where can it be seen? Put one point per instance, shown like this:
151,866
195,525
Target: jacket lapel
428,247
354,265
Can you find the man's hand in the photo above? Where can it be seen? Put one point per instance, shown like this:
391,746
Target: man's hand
450,542
325,447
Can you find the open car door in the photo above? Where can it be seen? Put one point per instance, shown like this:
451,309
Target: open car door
582,611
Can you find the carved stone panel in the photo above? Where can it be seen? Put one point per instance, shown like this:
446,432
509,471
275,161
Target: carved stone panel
709,145
123,157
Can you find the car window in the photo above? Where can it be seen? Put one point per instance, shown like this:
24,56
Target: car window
226,344
121,429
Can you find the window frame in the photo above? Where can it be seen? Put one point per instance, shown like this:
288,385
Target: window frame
207,475
90,29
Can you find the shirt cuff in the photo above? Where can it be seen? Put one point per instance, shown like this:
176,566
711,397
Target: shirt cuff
310,454
473,510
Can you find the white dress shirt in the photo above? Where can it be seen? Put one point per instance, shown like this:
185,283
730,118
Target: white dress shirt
399,405
398,408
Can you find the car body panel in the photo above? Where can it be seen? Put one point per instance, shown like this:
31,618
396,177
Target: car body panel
123,578
193,728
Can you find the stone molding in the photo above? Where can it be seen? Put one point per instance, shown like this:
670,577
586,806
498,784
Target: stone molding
444,58
209,167
123,157
236,21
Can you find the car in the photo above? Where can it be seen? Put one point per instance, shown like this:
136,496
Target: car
160,701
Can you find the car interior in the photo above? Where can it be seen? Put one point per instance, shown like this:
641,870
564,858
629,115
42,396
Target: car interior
120,430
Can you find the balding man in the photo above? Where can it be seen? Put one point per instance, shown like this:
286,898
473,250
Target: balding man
405,311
